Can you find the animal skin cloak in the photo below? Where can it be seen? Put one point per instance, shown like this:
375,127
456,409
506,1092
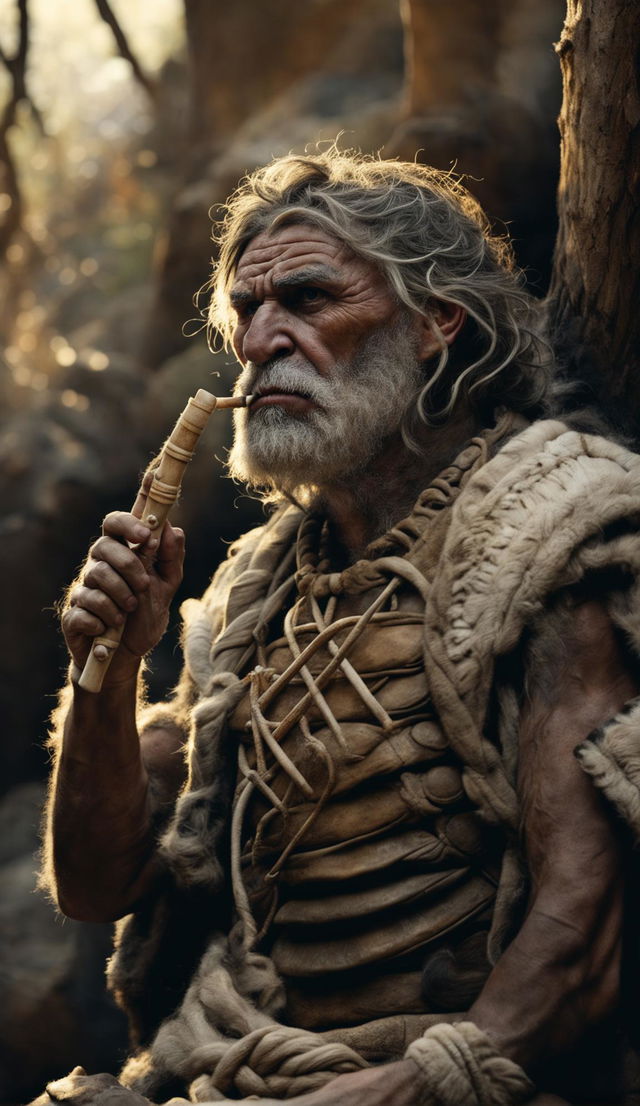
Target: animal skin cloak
489,548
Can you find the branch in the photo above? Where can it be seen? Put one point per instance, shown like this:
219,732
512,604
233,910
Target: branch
16,68
8,175
124,50
20,60
6,61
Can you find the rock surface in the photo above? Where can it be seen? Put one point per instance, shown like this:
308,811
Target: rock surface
54,1009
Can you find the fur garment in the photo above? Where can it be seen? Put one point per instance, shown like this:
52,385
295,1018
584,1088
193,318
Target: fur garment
551,509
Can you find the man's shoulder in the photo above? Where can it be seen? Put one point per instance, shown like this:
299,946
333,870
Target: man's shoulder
551,464
551,508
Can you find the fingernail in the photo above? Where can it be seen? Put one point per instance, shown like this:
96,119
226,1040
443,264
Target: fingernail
152,543
141,532
131,603
119,619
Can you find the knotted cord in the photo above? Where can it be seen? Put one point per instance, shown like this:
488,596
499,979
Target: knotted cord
271,1059
305,619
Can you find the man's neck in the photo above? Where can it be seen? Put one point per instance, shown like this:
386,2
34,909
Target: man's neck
365,506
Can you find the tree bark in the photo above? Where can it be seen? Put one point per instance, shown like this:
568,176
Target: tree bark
595,287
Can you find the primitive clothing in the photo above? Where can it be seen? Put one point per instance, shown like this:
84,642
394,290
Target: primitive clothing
369,871
351,819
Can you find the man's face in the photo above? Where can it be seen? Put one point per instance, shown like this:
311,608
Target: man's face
329,354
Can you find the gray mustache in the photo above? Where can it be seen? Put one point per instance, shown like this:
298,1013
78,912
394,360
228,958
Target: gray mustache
288,377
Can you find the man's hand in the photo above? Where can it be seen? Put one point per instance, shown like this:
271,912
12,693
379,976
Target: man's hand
101,842
80,1089
130,577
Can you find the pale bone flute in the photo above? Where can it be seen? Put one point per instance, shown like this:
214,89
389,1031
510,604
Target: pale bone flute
165,489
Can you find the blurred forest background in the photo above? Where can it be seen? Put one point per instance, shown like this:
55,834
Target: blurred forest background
122,125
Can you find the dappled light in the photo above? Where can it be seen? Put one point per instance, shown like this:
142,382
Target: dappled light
93,188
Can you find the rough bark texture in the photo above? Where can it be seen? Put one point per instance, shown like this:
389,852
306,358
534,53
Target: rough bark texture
596,280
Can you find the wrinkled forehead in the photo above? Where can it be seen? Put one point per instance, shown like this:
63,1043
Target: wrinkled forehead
276,255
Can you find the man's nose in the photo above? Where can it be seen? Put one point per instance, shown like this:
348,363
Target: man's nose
267,336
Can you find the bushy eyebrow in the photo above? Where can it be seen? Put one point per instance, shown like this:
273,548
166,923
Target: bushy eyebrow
240,296
307,275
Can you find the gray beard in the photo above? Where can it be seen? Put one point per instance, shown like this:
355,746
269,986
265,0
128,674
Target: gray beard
358,410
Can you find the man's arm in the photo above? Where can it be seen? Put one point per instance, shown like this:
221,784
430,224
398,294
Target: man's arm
560,975
100,842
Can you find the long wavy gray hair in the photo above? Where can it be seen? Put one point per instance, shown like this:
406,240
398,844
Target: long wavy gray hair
432,241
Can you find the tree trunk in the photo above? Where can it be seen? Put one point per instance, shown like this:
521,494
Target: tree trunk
596,278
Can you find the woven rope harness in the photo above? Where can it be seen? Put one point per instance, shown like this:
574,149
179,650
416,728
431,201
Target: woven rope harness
271,1059
224,1039
383,575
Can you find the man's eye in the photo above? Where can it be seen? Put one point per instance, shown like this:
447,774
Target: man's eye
310,295
246,310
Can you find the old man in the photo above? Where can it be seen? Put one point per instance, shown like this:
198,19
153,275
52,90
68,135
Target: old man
358,858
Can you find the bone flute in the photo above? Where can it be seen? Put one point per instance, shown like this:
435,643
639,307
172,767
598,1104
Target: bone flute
163,492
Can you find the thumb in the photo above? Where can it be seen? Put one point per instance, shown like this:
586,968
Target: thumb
170,554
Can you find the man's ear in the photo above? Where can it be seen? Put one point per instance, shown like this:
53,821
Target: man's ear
442,327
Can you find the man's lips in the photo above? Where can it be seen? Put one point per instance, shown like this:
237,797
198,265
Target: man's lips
273,397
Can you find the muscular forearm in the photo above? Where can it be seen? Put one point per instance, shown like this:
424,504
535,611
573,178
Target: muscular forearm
559,976
100,839
100,846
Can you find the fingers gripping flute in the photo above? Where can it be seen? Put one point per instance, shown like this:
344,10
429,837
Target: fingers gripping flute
165,489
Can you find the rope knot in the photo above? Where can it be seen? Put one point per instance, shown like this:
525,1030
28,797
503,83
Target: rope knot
261,677
277,1062
461,1067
